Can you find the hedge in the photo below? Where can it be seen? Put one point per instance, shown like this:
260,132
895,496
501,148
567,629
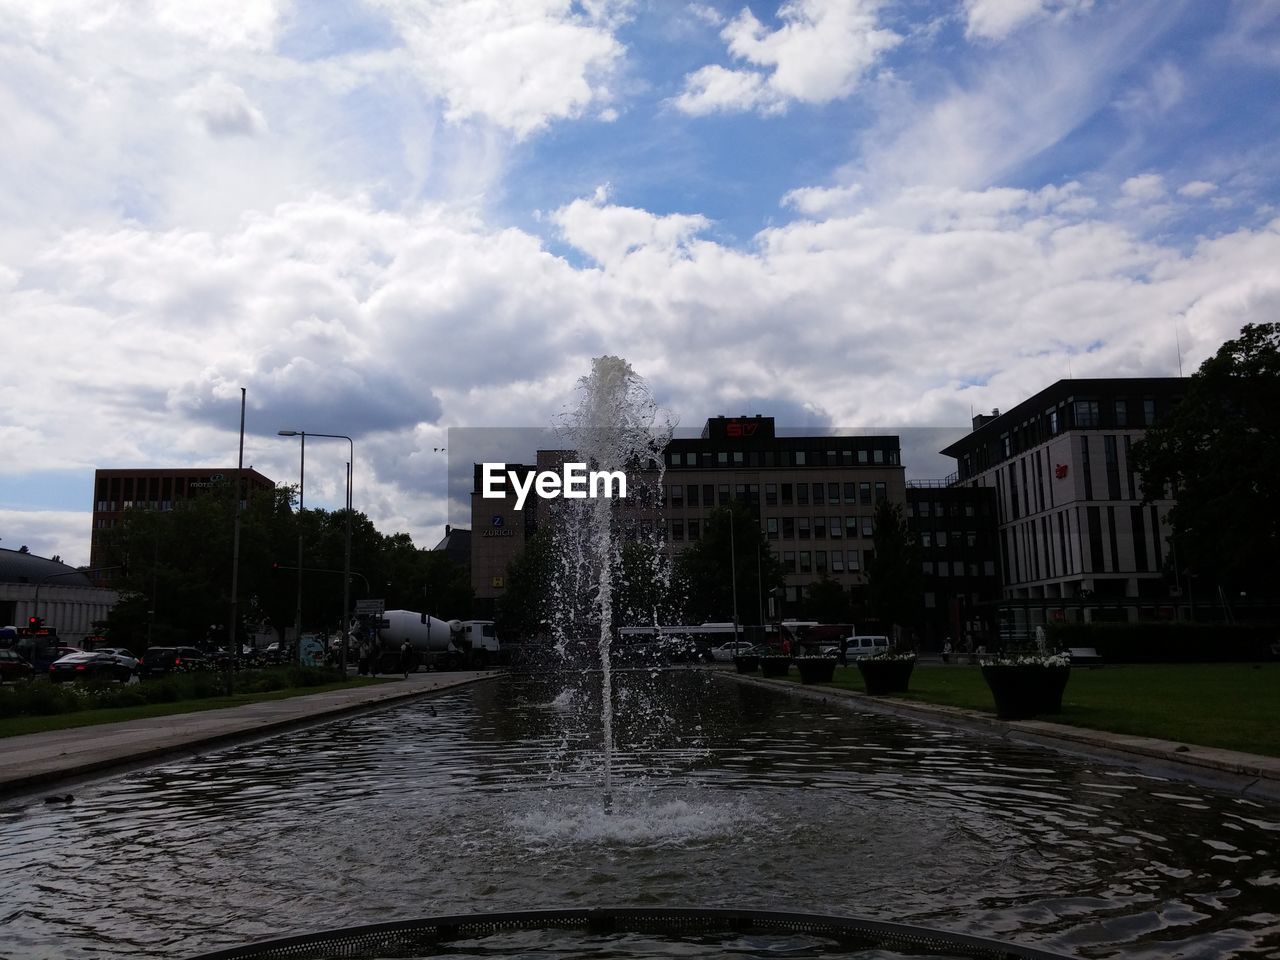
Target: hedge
1158,642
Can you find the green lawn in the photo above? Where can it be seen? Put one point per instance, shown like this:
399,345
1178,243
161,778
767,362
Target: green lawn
1235,706
17,726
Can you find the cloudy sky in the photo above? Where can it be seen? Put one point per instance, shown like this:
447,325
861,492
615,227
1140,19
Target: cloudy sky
386,218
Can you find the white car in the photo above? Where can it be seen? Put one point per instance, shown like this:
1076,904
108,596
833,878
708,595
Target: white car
122,656
857,647
727,651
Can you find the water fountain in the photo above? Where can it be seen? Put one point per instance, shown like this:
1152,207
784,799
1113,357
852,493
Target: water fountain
781,819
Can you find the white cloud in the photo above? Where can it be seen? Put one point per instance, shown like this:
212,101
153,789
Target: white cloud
609,233
1144,188
819,54
1197,188
224,109
997,19
520,66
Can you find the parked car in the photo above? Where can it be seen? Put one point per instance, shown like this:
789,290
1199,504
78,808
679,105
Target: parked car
860,646
158,661
14,666
122,655
88,666
727,651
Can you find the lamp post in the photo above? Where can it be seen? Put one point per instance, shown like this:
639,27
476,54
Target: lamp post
346,565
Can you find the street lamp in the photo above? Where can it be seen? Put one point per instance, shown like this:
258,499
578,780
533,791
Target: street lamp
346,566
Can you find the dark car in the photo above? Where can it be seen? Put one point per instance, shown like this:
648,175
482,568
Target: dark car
13,666
88,666
158,661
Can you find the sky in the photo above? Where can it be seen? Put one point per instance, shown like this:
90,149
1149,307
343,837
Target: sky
389,218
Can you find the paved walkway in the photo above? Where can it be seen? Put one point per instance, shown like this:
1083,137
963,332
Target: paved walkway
38,760
1244,773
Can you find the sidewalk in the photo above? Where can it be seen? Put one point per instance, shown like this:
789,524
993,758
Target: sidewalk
1247,774
39,759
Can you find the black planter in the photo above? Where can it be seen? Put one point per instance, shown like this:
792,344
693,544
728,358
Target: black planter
885,676
1023,690
775,666
816,669
747,664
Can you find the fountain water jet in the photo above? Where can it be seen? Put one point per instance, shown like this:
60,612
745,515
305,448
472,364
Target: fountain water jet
614,425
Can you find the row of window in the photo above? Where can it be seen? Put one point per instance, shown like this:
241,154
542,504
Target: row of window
775,494
781,458
823,561
939,508
958,568
790,528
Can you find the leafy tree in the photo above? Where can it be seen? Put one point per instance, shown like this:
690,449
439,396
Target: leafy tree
526,605
828,602
705,569
894,591
1218,451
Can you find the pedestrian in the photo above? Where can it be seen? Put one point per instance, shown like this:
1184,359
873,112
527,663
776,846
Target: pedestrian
946,650
363,666
406,657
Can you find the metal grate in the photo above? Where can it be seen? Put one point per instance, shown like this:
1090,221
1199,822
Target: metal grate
426,937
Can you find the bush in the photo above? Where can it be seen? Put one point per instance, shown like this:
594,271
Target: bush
1168,642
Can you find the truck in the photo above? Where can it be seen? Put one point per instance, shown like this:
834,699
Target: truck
442,644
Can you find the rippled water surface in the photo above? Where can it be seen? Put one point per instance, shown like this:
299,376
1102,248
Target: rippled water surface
487,798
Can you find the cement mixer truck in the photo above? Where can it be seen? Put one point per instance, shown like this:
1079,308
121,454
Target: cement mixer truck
442,644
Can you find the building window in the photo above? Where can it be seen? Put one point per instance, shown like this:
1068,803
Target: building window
818,491
864,492
930,601
957,568
837,530
1122,413
723,490
941,539
926,508
786,495
771,528
770,494
677,529
833,493
1052,416
926,538
677,496
789,561
695,531
788,528
837,561
877,456
1086,413
737,458
850,492
852,556
802,494
868,527
692,497
800,458
802,524
1148,412
819,528
850,527
708,495
722,457
926,567
863,456
820,561
882,490
806,564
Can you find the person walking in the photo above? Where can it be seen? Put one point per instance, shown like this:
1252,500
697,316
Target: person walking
946,650
406,657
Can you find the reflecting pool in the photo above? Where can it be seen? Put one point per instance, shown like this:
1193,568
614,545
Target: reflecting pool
488,798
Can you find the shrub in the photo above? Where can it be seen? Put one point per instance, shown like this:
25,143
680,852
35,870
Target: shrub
1164,642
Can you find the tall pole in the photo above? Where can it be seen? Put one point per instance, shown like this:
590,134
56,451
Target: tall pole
733,573
346,570
302,485
235,545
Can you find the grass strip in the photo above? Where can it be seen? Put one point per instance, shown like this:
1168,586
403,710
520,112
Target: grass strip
20,726
1232,706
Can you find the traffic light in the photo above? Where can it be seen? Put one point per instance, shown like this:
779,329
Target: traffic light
35,623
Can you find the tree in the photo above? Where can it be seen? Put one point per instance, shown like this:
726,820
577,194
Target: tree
894,580
526,604
828,602
1218,453
705,571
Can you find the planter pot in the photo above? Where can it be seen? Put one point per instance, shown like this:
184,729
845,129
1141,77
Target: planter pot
775,666
1023,690
816,669
746,664
886,676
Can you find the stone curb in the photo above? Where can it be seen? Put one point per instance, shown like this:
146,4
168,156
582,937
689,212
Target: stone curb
36,760
1244,773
